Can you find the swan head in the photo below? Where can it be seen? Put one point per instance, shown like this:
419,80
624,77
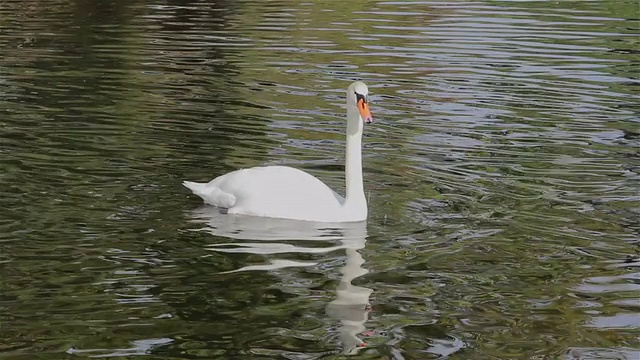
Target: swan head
358,98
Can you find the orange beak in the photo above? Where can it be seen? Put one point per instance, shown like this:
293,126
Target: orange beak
365,113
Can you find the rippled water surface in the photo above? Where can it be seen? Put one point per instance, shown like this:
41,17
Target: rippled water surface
502,171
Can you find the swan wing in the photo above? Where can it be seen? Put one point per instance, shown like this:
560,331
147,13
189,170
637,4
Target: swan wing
272,191
211,195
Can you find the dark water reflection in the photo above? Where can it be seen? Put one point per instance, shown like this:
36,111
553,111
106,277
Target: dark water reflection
502,170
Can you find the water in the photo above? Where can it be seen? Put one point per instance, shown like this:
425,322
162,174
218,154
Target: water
502,171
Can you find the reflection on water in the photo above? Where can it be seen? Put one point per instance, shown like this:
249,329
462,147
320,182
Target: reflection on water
141,347
351,305
502,176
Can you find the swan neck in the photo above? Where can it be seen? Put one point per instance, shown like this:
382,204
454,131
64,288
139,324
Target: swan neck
353,165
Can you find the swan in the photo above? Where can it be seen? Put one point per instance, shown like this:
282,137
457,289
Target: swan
289,193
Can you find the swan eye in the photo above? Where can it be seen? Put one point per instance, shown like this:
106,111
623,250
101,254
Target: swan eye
360,97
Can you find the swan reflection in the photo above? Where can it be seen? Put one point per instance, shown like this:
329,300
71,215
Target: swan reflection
262,235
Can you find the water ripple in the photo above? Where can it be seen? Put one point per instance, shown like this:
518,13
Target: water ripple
501,171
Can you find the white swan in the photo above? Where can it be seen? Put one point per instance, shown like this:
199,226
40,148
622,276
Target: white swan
289,193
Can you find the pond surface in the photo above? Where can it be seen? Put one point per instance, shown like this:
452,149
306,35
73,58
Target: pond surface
502,170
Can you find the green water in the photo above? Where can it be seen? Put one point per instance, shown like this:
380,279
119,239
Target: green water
502,171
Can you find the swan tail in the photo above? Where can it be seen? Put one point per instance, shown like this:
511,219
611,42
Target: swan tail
210,194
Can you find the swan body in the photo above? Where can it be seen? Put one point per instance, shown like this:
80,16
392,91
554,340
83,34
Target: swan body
273,191
289,193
